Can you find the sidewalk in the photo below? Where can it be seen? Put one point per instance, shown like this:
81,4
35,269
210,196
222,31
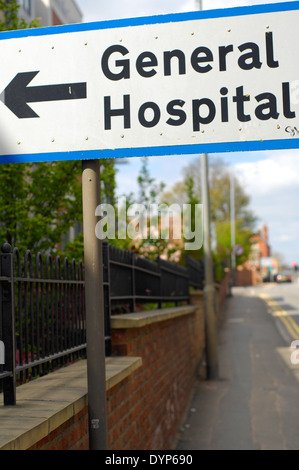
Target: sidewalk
255,403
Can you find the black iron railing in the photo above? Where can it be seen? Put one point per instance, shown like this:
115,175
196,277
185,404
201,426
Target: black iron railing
134,280
196,272
42,305
43,316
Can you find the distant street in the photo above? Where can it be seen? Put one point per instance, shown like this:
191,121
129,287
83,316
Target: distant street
283,302
254,405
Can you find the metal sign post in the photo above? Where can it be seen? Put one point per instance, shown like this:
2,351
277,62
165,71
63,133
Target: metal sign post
209,287
233,227
209,291
94,308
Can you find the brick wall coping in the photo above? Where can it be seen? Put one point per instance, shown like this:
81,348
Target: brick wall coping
46,403
140,319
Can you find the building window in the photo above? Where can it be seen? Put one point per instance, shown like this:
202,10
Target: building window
26,4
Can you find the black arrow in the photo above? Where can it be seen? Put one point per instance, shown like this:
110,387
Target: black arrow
17,94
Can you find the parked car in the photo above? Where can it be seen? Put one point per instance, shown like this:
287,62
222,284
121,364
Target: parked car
285,276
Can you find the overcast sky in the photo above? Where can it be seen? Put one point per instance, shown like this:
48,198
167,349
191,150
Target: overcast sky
96,10
270,178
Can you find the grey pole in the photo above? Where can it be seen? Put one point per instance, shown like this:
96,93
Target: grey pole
94,308
233,226
209,293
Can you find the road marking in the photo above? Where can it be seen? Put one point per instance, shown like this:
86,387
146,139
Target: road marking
290,324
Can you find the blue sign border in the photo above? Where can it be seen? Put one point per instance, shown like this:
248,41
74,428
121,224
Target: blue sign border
160,150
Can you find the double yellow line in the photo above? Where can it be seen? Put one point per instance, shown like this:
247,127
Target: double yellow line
288,321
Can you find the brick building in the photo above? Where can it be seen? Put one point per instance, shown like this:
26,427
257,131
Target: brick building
260,246
261,259
51,12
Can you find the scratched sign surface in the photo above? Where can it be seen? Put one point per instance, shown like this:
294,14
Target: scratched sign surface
217,81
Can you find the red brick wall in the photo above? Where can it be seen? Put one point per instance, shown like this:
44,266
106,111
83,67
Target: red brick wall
144,410
147,415
246,277
72,435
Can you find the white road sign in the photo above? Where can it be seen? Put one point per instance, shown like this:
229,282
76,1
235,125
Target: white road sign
212,81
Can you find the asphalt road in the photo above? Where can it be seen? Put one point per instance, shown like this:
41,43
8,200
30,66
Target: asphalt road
255,403
283,304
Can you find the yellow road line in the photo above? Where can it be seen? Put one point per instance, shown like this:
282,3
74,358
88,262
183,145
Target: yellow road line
290,324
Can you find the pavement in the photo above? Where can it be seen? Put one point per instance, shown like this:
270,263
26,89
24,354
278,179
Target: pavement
254,404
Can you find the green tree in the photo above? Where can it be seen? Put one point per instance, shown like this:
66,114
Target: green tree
11,19
150,193
189,191
12,197
219,185
40,202
192,199
223,234
13,184
54,200
108,181
149,190
75,248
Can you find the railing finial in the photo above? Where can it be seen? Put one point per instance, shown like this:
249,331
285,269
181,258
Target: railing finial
6,248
